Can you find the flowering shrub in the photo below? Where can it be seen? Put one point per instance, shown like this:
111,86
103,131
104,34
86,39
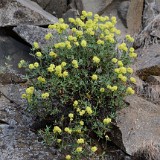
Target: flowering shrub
80,82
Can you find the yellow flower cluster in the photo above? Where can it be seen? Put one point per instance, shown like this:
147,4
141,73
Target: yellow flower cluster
89,110
80,141
35,45
68,157
48,36
96,59
112,88
75,63
129,38
41,79
71,116
51,68
94,77
75,103
130,90
59,27
68,130
106,121
45,95
94,149
57,129
21,63
79,149
39,54
123,47
52,54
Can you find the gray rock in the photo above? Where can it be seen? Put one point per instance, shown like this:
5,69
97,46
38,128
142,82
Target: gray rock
57,7
148,63
122,11
32,34
17,142
71,13
138,125
154,80
76,4
12,50
151,10
16,12
134,16
150,34
96,6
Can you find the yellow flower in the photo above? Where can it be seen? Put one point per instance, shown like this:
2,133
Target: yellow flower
94,77
89,14
130,90
61,20
117,70
39,54
123,70
48,36
80,141
132,79
23,96
71,115
114,60
68,130
123,78
63,64
59,140
106,121
36,64
75,103
100,42
58,69
82,112
35,45
81,123
57,129
133,55
129,70
30,90
68,157
79,149
41,79
83,43
96,59
94,149
75,63
129,38
31,66
52,54
120,63
102,90
89,110
51,68
45,95
65,74
131,49
114,88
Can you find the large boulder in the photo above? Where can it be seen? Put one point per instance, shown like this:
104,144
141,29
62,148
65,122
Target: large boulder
32,34
138,125
148,62
150,34
16,12
96,6
134,16
122,11
17,141
151,10
57,7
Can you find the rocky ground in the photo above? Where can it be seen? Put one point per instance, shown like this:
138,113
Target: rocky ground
23,21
